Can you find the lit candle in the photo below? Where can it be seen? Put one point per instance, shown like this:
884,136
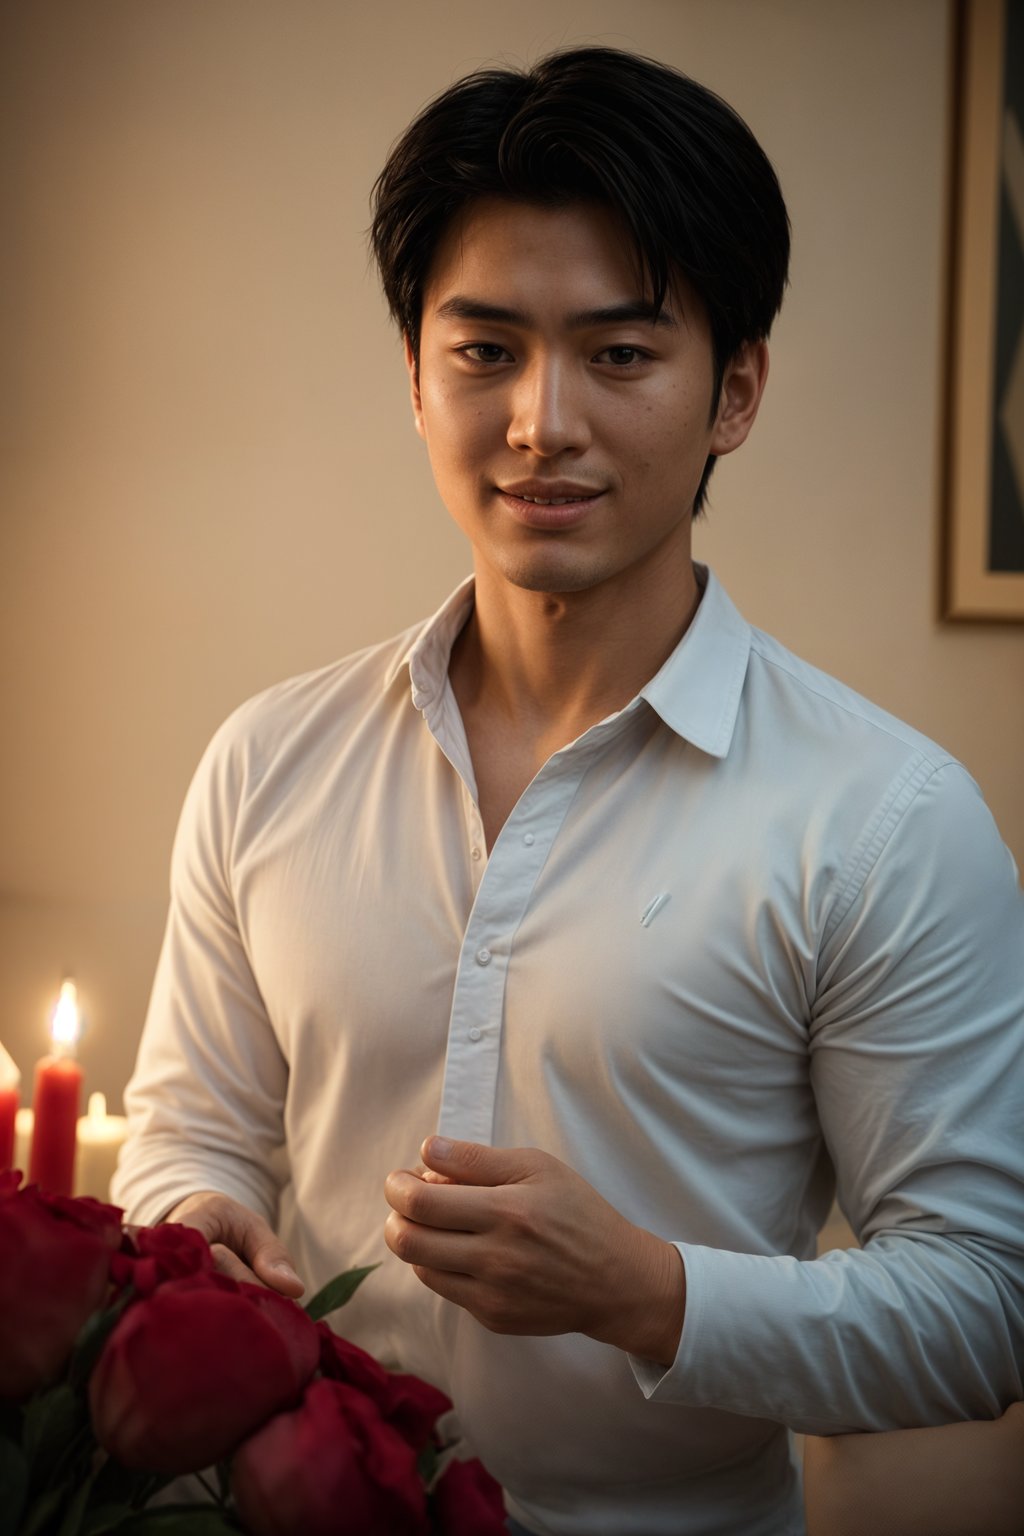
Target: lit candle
10,1083
58,1091
99,1140
22,1139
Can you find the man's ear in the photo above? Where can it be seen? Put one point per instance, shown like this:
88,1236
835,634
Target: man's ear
740,396
414,385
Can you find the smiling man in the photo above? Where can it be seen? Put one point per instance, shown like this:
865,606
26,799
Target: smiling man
569,422
661,931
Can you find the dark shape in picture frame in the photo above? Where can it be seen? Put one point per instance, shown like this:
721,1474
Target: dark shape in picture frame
983,482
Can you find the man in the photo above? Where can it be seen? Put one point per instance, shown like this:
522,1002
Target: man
652,922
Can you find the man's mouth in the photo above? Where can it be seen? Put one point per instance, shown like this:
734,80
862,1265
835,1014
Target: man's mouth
551,501
549,508
559,494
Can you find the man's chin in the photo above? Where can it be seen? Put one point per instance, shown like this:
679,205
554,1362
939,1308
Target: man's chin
553,576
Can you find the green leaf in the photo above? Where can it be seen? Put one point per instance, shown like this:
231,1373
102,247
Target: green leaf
180,1520
119,1494
13,1486
152,1484
426,1463
53,1421
106,1517
72,1521
93,1336
338,1291
41,1511
118,1486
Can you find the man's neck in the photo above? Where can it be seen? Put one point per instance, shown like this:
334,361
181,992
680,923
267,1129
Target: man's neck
549,665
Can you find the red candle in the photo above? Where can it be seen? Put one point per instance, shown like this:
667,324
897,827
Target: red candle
8,1109
56,1104
10,1081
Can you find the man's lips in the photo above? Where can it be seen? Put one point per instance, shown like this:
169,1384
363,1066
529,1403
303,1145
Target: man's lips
555,504
546,492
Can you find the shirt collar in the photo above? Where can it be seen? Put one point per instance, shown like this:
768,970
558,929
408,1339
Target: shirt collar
696,691
428,654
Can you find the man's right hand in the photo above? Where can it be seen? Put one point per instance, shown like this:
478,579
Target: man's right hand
244,1246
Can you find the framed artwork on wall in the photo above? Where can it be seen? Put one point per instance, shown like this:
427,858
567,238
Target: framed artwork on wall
983,556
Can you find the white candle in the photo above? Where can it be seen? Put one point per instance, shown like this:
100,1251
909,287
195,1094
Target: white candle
23,1123
100,1137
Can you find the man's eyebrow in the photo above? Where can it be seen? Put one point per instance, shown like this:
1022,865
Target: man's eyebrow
622,314
463,307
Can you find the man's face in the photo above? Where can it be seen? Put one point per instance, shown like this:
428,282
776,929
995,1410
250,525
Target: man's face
544,377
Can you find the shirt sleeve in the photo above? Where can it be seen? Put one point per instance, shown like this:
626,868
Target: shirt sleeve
205,1102
917,1063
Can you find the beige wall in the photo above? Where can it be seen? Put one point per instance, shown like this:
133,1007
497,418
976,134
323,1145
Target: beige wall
209,479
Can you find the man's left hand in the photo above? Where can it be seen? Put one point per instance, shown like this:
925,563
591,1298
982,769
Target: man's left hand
528,1246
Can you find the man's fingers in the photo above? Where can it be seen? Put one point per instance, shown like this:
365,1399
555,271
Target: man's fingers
274,1267
269,1259
430,1177
245,1245
266,1273
472,1162
416,1244
227,1263
437,1203
452,1285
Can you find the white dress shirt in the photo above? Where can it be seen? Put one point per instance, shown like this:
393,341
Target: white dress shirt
744,931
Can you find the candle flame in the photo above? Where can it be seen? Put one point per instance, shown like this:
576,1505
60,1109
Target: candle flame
65,1026
97,1107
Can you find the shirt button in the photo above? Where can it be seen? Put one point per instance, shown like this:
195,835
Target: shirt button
475,853
528,839
474,1033
483,957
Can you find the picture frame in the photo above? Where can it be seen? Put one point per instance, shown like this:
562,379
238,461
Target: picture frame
983,440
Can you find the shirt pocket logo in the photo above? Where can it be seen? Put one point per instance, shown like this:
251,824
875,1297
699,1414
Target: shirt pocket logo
653,907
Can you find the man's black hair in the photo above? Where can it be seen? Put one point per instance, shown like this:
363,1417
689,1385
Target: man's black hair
694,190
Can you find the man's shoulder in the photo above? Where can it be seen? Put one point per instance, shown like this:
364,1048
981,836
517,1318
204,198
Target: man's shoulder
810,703
854,781
317,706
359,676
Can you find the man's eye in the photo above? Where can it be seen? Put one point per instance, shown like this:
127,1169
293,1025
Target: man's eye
484,352
622,357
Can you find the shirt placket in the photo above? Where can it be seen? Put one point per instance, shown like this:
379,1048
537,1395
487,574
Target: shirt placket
503,894
476,837
506,883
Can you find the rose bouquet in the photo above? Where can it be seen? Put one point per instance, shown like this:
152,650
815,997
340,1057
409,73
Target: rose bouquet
126,1360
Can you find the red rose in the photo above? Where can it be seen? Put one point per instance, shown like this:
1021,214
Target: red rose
468,1502
153,1255
331,1465
409,1404
55,1256
191,1370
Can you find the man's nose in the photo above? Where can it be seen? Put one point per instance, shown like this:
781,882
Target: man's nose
548,414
